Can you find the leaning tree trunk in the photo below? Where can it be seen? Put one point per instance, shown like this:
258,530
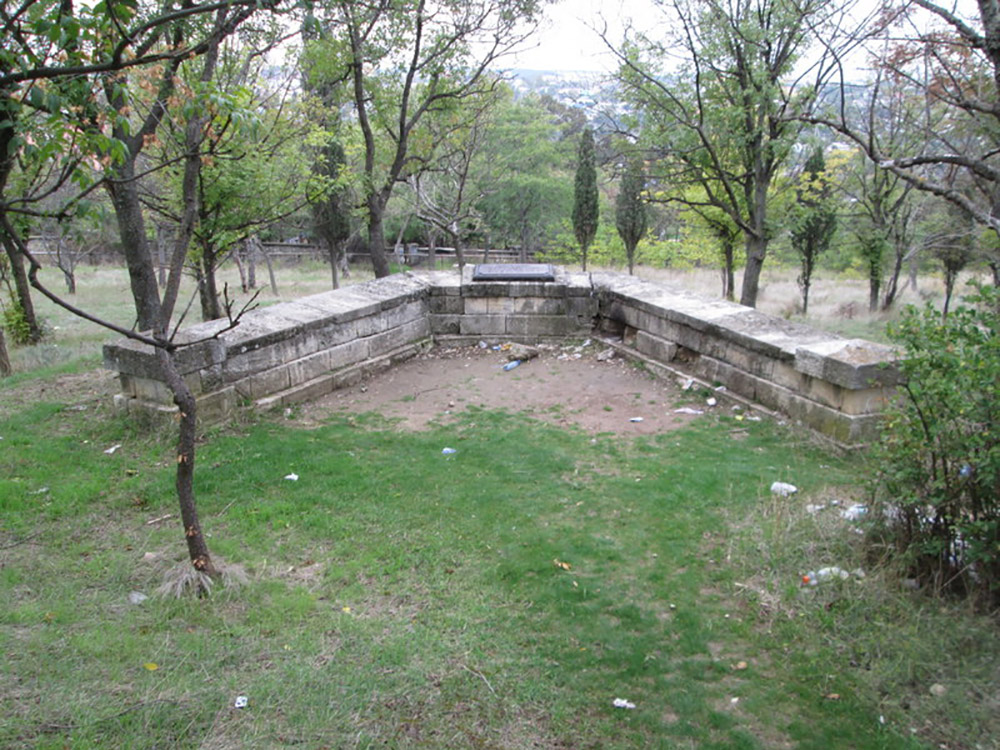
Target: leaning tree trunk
197,547
892,285
5,368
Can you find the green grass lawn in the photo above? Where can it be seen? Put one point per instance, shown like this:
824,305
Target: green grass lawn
500,597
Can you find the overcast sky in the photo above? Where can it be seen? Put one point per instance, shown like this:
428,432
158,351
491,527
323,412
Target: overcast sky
566,39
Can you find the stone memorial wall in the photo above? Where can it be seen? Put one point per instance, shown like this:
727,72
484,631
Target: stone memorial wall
296,351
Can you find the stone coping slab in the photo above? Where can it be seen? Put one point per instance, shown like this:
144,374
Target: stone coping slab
513,272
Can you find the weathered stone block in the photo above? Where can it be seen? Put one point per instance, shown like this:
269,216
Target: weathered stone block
530,326
655,347
483,325
850,363
400,336
446,305
269,381
445,325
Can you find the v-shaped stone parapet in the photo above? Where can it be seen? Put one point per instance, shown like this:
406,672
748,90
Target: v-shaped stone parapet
298,350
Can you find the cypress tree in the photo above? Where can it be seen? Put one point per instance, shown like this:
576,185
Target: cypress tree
630,211
585,211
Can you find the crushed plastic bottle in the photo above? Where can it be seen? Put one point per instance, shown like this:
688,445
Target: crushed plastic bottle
816,577
512,364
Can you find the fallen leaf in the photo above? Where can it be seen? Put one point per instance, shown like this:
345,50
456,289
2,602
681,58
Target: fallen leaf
832,696
740,665
560,564
151,666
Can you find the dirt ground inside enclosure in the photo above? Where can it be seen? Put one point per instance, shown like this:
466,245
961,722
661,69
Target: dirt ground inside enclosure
576,385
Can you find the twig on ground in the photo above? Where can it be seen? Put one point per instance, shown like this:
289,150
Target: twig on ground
19,542
481,676
161,518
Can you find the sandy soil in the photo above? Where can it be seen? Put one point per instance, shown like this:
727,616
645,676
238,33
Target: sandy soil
566,385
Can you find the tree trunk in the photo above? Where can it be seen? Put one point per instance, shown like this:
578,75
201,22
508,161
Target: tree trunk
22,288
161,256
70,278
376,238
949,289
270,270
432,252
874,286
728,277
124,194
208,289
251,249
197,547
238,260
66,261
892,286
583,256
756,250
5,368
331,250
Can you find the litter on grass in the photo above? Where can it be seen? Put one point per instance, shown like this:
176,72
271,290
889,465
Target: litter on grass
854,512
293,477
137,597
448,451
512,364
833,573
688,410
635,419
241,701
622,703
110,451
711,401
783,488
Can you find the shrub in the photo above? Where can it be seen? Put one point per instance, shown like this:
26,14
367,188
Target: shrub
16,324
937,496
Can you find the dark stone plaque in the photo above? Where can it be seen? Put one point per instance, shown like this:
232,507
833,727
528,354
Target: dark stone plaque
513,272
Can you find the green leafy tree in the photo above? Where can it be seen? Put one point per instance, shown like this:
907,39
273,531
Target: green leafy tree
524,178
585,199
53,56
630,209
726,119
399,62
813,219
